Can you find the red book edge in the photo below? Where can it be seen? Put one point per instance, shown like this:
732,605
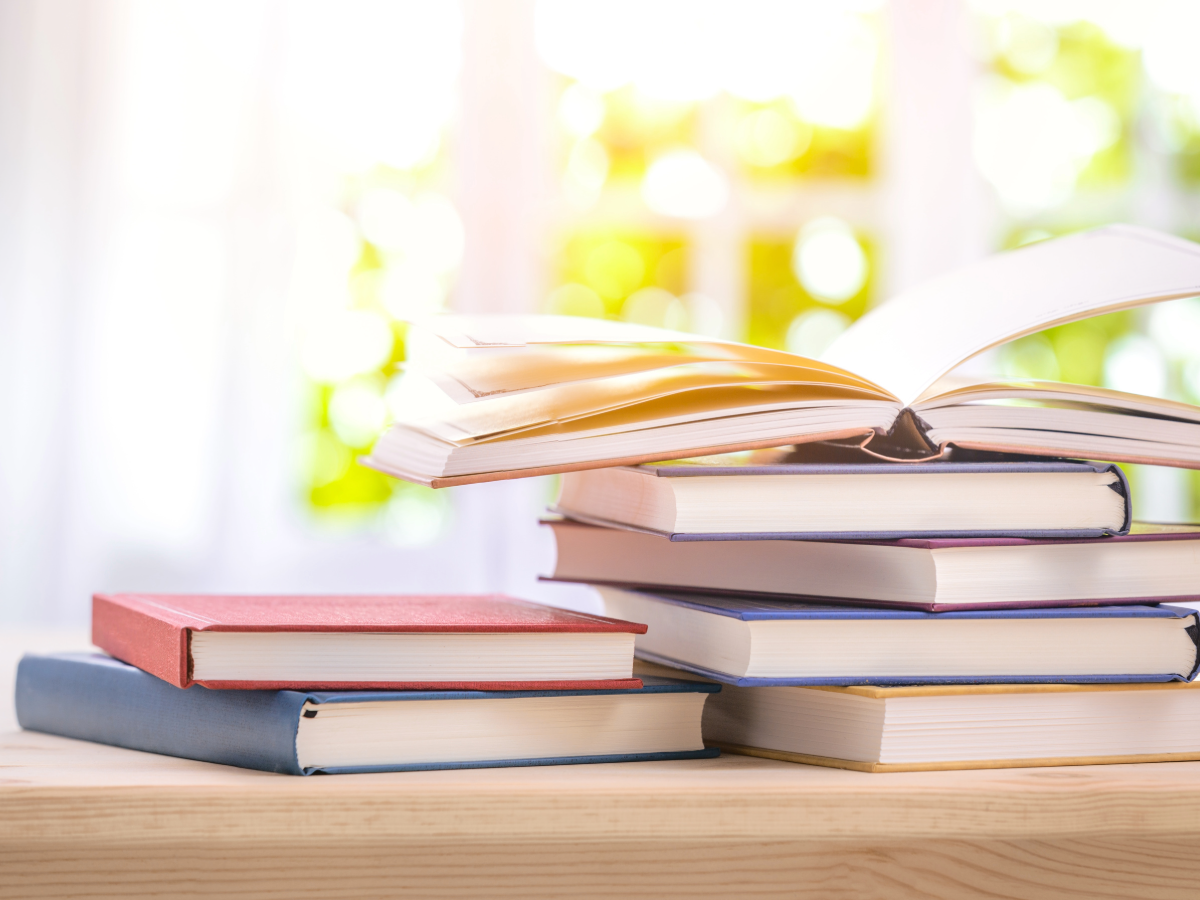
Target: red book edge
612,684
157,639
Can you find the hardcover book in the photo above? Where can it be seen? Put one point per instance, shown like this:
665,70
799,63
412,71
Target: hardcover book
94,698
1151,564
340,642
986,726
486,398
788,495
747,642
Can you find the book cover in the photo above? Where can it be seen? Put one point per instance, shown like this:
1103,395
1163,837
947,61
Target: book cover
1038,572
751,609
94,698
153,631
695,468
932,691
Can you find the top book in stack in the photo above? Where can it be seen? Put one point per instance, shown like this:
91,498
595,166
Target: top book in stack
488,398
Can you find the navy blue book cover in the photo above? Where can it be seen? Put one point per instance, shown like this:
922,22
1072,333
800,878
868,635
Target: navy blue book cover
95,698
751,609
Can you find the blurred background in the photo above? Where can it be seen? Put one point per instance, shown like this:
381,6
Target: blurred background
215,216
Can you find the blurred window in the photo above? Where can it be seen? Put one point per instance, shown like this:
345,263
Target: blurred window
722,168
684,134
372,88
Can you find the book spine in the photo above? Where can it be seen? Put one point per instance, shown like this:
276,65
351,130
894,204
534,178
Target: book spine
93,699
149,642
1122,488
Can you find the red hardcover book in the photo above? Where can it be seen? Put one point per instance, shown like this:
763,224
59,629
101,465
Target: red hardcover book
447,642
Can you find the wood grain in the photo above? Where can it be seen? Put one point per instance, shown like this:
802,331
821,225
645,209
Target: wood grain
84,820
1116,869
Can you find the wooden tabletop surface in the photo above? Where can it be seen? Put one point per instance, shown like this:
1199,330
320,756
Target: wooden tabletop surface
59,793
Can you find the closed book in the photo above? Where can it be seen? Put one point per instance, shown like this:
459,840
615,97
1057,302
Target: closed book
94,698
346,642
1151,564
748,642
780,495
986,726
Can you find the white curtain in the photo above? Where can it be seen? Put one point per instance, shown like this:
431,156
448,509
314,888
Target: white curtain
155,157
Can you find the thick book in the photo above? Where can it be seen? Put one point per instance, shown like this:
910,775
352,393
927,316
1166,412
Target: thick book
355,642
486,398
748,642
775,494
1151,564
986,726
94,698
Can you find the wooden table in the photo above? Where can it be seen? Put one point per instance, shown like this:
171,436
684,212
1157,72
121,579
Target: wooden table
82,820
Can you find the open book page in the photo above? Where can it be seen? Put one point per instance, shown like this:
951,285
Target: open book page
741,385
588,349
1053,419
954,391
913,340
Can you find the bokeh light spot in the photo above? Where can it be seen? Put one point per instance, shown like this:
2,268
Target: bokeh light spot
587,170
1030,357
410,291
575,299
812,332
768,138
682,184
657,307
1135,364
437,237
386,218
1026,44
357,411
614,269
1175,326
416,516
704,315
340,345
581,110
829,261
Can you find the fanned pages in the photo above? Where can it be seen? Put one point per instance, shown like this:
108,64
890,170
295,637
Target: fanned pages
486,398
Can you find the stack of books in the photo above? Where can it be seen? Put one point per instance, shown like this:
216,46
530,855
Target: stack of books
925,576
885,565
879,652
300,685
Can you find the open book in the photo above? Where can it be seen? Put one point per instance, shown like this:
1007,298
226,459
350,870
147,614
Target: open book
486,398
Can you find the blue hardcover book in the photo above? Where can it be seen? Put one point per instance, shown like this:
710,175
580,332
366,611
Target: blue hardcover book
96,698
802,495
748,642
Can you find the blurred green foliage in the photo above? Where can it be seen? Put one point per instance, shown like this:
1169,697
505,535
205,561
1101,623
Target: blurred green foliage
1084,62
336,488
776,296
637,128
774,144
614,264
